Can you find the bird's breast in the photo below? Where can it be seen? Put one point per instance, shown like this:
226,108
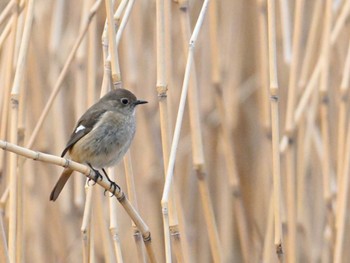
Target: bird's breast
108,141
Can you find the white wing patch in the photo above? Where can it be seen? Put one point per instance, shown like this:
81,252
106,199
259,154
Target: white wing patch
80,127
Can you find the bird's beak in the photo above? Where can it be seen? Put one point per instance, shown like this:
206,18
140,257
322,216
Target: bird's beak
140,102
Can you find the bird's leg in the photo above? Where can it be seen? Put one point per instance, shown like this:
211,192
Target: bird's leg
97,175
112,186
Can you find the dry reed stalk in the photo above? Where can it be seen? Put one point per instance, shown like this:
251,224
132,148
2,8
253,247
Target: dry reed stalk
113,52
197,141
343,149
263,65
162,87
310,46
290,132
339,23
60,103
229,156
342,116
80,92
119,194
267,254
124,21
118,13
86,225
286,31
324,110
234,182
5,33
99,221
170,170
127,158
6,12
278,235
130,183
113,223
342,203
13,136
4,255
62,75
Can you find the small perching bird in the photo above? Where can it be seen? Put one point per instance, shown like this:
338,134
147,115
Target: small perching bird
102,135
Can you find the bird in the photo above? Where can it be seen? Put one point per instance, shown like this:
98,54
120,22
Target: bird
102,135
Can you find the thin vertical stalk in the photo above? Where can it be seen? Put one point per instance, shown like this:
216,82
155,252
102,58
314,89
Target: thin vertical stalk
342,202
113,227
12,236
278,238
324,107
130,183
86,225
286,30
162,89
113,52
197,146
342,116
80,95
290,132
230,159
310,46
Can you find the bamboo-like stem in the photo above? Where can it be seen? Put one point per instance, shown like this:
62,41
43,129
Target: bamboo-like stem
263,65
113,225
234,182
86,225
130,183
81,94
197,146
290,132
268,240
286,31
278,237
5,33
4,253
62,75
100,221
342,202
176,136
124,21
113,52
342,161
13,176
310,46
233,178
119,194
339,24
324,107
162,89
342,116
118,13
7,10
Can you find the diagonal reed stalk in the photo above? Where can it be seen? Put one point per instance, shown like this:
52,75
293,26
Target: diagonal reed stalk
90,174
62,75
163,73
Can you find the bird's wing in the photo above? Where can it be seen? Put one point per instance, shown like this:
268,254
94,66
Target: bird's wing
85,124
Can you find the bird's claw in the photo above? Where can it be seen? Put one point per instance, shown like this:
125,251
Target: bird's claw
113,186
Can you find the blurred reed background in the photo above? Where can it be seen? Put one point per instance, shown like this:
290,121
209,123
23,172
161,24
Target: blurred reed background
261,171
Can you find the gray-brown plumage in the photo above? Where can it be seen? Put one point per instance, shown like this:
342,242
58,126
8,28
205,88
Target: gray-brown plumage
102,135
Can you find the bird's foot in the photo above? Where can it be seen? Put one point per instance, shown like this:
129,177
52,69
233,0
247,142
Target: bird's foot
97,176
113,186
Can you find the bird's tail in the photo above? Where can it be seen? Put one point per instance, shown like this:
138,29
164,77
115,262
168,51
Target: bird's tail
60,184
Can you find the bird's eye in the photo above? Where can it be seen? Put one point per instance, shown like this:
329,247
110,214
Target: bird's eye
125,101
